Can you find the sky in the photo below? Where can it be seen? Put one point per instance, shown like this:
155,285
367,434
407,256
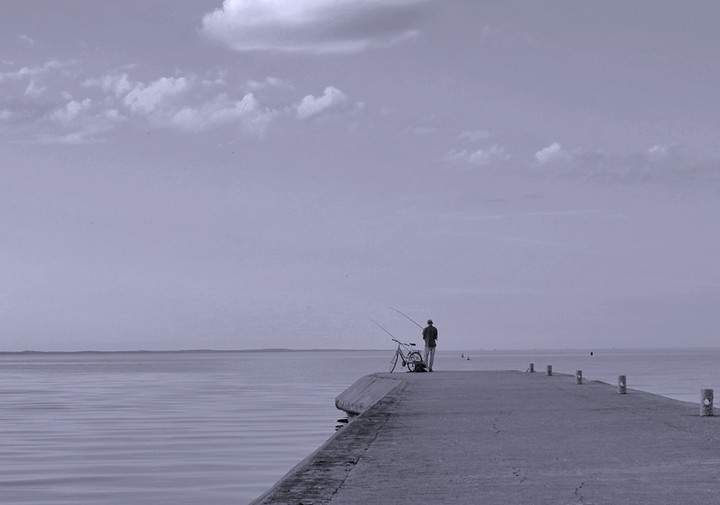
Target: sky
248,174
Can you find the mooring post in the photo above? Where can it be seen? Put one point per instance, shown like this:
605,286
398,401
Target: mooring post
549,370
706,400
622,385
532,367
578,377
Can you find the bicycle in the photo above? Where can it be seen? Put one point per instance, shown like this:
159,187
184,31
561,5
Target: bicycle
409,358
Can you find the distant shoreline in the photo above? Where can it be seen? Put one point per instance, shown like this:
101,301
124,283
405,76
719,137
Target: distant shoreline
189,351
597,351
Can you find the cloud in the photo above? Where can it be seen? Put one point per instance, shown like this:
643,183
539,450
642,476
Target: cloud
31,72
74,138
658,153
311,26
145,99
657,164
332,98
189,103
222,110
78,122
25,39
480,157
268,82
552,153
49,105
34,89
475,135
117,84
71,111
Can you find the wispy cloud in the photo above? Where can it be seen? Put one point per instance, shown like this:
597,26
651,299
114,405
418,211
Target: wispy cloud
481,157
30,72
78,122
118,84
657,163
311,26
222,110
27,40
71,111
268,82
33,89
74,138
552,154
475,135
658,153
571,213
477,149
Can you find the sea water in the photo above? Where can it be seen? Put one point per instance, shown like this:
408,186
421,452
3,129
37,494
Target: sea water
222,427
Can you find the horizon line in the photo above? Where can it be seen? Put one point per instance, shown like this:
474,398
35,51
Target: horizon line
285,349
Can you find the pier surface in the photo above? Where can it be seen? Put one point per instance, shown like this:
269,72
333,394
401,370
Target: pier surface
510,438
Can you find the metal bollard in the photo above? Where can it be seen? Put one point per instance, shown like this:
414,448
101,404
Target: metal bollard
706,402
549,370
622,385
578,377
532,367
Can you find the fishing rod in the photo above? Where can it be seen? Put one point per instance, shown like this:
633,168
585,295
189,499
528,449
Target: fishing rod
391,335
405,316
382,328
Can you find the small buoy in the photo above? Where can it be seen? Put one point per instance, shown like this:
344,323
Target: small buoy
468,358
462,355
591,353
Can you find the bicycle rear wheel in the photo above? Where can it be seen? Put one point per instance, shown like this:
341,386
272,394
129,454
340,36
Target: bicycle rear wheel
414,361
393,362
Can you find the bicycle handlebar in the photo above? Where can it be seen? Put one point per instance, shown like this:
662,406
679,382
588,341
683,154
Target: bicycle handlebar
403,343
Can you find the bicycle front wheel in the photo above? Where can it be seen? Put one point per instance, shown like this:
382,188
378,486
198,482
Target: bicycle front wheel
393,362
414,361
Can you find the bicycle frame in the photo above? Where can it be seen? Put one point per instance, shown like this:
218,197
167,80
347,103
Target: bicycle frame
403,346
410,358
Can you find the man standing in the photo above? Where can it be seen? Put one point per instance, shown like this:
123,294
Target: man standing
430,336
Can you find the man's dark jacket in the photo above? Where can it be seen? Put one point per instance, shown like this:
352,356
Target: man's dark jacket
430,335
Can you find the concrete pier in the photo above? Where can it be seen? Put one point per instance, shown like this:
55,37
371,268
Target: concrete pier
509,438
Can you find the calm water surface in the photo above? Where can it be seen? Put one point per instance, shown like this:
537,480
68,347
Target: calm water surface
221,428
